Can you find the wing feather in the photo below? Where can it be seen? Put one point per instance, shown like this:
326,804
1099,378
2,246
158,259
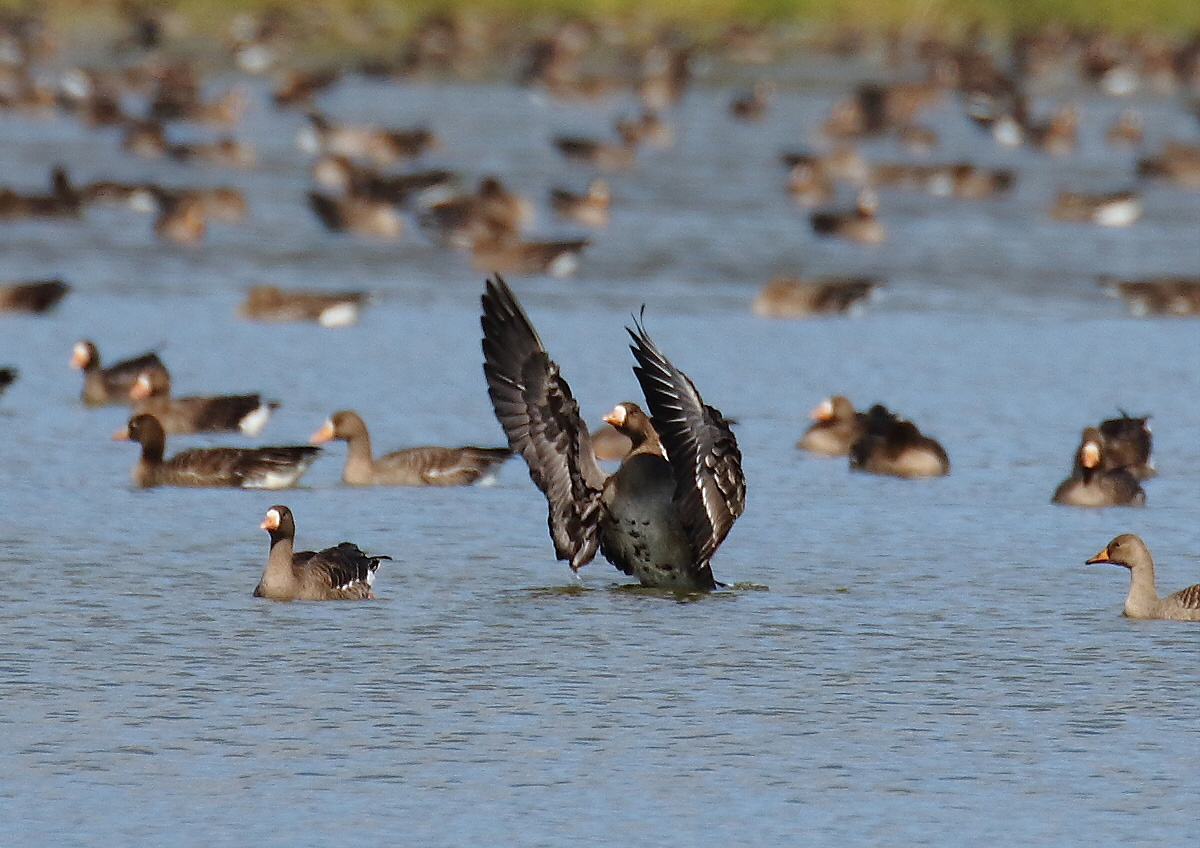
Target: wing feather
539,415
710,488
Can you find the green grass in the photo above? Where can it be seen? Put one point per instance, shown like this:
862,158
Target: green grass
699,17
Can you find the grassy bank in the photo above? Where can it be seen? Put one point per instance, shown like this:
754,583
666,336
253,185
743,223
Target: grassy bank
701,15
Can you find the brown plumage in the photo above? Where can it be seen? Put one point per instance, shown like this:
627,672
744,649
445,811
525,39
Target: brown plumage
858,224
248,468
662,515
417,466
151,392
330,309
1143,600
1127,442
110,385
836,426
63,201
1093,482
34,296
340,573
357,215
786,297
891,445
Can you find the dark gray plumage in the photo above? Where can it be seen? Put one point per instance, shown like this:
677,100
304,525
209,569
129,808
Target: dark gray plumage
669,506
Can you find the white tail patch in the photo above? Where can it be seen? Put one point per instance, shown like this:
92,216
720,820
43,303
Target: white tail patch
563,265
1120,213
339,315
282,478
252,422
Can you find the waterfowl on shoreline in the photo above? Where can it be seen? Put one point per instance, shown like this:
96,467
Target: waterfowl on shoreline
1143,600
1095,483
34,296
340,573
151,393
891,445
662,515
111,385
428,465
836,427
271,467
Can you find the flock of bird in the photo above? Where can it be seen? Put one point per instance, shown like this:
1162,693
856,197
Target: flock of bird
679,487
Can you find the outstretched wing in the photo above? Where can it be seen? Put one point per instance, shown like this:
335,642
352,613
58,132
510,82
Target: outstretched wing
541,419
710,489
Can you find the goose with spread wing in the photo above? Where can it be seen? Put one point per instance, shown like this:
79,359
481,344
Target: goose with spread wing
662,515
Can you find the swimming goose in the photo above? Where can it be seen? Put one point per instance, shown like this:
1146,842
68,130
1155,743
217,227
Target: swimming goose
151,392
1108,209
341,573
662,515
329,309
418,466
1095,483
891,445
589,208
787,297
63,201
269,467
1143,600
515,255
1157,295
1126,442
836,426
859,224
34,296
358,215
7,377
110,385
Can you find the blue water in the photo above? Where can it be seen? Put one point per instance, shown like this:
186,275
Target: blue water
899,662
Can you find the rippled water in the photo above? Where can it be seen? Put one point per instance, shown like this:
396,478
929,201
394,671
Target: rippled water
900,662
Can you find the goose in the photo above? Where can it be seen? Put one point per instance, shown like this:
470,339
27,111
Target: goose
836,426
417,466
110,385
891,445
1093,482
270,467
340,573
859,224
787,297
329,309
35,296
1126,442
151,392
589,208
662,515
1143,600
